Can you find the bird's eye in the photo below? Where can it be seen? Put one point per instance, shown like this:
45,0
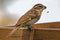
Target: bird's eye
40,6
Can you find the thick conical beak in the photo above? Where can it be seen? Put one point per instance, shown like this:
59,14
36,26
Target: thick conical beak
45,7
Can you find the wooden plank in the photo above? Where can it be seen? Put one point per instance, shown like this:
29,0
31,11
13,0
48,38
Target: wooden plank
46,35
47,25
39,32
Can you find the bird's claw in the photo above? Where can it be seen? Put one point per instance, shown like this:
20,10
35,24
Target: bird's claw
29,28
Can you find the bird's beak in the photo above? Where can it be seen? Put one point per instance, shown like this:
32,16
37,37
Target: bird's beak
45,7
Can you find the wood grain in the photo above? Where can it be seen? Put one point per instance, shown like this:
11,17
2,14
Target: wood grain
41,31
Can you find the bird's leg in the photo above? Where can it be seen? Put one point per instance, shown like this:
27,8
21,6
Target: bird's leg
29,27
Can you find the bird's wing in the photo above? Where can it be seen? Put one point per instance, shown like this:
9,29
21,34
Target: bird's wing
27,17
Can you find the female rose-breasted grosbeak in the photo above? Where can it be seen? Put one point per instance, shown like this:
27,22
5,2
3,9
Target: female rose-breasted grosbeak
30,17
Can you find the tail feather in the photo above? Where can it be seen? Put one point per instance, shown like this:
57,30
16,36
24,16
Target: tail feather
13,31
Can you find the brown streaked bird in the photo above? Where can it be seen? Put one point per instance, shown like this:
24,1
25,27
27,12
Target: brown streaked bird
30,17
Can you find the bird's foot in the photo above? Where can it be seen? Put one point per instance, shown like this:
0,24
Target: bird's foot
29,28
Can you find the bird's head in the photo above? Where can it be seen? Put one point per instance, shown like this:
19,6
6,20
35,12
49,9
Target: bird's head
39,7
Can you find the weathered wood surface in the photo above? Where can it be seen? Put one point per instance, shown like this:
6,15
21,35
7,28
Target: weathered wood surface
43,31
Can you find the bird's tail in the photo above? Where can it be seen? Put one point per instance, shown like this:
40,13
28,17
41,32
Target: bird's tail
13,31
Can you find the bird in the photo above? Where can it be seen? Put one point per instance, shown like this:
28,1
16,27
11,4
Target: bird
30,17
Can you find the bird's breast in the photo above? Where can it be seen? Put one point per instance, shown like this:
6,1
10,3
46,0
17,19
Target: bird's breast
33,21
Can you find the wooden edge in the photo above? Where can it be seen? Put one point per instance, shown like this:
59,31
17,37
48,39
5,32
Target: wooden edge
45,26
